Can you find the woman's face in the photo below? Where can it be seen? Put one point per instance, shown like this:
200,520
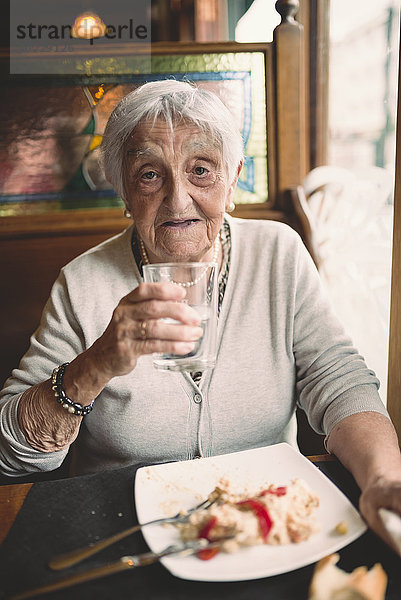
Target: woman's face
176,189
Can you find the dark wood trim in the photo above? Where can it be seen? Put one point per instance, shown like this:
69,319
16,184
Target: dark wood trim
319,81
12,497
290,104
302,222
316,458
157,48
74,222
101,221
271,129
394,367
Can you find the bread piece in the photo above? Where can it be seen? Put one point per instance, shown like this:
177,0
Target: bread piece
331,583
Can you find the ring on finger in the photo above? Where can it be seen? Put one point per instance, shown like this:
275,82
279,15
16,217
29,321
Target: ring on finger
144,325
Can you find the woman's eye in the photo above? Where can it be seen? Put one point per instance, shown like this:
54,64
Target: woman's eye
149,175
200,171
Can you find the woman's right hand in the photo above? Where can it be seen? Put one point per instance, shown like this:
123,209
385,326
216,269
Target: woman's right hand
137,327
47,426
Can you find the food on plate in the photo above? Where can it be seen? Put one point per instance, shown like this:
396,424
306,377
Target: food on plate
272,515
331,583
341,528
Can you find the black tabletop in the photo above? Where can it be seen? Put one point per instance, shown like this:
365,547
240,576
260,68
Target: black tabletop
65,514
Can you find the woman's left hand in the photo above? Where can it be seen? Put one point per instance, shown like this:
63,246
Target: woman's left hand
383,492
367,444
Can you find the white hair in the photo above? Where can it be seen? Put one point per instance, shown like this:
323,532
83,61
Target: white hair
173,101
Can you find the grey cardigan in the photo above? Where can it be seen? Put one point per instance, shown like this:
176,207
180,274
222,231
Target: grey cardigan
279,344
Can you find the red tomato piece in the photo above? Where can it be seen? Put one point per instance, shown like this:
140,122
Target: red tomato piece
264,520
205,531
208,553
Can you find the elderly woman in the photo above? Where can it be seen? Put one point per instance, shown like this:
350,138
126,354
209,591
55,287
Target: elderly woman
174,154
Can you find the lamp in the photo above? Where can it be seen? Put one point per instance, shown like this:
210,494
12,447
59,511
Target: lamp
88,26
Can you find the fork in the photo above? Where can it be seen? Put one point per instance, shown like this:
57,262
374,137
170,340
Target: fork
122,564
68,559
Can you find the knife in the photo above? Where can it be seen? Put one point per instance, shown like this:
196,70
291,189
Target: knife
123,564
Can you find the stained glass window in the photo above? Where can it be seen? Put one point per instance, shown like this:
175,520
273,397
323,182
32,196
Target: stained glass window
53,129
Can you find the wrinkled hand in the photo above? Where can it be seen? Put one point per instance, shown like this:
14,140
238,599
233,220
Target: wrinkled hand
383,492
136,328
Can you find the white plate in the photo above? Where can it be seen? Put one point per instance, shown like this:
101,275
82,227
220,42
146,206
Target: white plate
162,490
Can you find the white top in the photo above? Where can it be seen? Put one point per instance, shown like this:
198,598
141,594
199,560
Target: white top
278,343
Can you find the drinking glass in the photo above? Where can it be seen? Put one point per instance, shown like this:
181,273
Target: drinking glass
200,281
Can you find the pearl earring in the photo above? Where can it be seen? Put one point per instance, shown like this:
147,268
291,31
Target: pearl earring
231,207
127,213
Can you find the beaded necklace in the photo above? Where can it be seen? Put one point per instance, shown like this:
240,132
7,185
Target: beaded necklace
185,284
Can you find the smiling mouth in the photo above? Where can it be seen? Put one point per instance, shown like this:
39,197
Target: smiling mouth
180,223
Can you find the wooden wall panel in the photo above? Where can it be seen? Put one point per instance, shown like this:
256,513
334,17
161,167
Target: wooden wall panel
29,263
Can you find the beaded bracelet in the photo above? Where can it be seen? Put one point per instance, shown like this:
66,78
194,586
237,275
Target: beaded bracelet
57,386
